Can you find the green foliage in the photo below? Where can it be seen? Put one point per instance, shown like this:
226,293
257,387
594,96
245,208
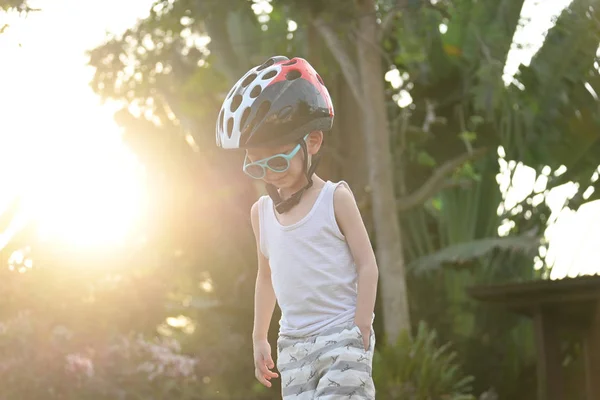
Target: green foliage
557,111
453,244
465,253
19,5
547,117
418,368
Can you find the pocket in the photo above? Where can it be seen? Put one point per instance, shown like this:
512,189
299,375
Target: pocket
361,338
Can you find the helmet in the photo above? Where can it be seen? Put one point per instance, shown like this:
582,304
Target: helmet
276,103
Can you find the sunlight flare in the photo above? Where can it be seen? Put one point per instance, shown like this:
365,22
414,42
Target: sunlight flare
61,152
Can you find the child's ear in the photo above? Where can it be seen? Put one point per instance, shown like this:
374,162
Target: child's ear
314,142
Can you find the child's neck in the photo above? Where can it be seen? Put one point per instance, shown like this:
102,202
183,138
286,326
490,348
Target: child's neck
286,193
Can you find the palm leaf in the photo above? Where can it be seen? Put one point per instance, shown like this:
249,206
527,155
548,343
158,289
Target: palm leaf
557,115
460,254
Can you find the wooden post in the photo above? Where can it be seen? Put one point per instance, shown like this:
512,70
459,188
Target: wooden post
549,367
591,347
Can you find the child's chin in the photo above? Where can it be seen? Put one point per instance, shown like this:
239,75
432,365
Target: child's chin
284,183
279,183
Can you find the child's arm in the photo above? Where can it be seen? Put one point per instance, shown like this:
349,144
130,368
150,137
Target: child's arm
353,228
264,305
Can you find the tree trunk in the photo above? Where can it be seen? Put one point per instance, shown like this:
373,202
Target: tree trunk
377,140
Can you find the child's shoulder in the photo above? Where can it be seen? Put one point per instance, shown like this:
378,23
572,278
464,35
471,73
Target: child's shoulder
343,197
342,190
347,214
255,209
258,203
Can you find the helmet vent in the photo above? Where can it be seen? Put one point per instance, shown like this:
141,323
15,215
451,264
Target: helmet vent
255,91
248,80
293,75
229,127
320,80
291,62
235,102
245,117
267,64
269,74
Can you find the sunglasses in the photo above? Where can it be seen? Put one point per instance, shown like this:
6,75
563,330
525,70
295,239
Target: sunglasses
277,163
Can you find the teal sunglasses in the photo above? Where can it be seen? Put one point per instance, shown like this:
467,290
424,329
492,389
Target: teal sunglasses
277,163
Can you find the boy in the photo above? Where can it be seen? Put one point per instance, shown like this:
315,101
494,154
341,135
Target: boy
314,255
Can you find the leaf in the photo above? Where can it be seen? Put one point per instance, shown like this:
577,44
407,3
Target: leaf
425,159
462,253
419,368
468,136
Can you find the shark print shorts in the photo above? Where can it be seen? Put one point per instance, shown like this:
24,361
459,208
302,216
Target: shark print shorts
332,365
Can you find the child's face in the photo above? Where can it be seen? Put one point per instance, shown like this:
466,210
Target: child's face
295,172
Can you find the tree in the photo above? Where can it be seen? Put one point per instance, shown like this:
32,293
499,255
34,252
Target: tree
364,76
381,179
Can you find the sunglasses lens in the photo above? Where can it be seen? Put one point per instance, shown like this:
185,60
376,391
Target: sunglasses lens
278,164
255,171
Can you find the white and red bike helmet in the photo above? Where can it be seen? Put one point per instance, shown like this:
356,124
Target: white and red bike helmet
276,103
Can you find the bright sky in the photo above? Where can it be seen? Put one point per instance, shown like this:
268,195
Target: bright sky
61,149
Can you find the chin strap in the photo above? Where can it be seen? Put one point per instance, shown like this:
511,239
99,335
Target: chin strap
283,206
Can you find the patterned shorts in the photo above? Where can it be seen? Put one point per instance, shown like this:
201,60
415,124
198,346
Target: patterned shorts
332,365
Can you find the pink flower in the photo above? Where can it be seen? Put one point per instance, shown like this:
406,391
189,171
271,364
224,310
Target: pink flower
165,359
79,364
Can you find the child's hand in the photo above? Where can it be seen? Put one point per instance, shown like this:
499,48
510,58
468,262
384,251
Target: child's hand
366,336
263,363
365,331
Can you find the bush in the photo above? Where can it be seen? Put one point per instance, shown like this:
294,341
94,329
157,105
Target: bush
42,362
415,368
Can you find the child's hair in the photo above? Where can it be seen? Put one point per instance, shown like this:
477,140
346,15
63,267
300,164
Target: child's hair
278,102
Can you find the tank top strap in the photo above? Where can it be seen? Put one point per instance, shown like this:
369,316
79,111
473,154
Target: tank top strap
264,206
330,189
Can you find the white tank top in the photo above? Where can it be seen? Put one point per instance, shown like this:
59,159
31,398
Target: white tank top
312,270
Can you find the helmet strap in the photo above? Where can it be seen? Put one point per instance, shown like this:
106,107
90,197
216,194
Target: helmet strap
283,206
